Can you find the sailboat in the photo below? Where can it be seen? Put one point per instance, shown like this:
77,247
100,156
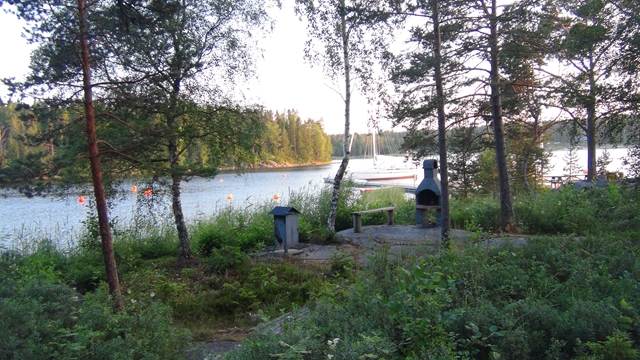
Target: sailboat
382,170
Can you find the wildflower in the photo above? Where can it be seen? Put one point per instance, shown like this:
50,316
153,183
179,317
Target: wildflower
332,343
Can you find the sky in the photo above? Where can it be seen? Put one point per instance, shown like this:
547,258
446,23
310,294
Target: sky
283,79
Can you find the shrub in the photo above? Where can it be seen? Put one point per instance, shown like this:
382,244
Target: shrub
563,211
86,270
341,265
225,258
477,214
269,288
617,346
148,248
330,330
45,321
555,298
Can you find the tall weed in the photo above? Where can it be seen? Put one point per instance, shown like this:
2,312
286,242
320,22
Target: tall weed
563,211
244,229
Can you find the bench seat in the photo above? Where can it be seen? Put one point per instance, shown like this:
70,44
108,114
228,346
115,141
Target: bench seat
357,217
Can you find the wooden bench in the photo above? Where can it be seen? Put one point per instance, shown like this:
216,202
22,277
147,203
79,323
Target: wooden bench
422,213
357,217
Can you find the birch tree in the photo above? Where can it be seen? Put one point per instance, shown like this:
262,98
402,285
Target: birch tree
350,34
178,68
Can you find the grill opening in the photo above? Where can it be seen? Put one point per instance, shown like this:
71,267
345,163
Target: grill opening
427,197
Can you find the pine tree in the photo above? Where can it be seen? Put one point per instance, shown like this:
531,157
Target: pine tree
603,161
571,160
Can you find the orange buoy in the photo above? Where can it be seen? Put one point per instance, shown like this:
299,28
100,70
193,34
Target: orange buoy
134,188
221,180
284,175
148,192
81,199
276,197
229,197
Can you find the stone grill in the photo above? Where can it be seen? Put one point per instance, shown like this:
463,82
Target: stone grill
428,194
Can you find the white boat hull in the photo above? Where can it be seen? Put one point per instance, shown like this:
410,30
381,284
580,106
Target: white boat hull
383,175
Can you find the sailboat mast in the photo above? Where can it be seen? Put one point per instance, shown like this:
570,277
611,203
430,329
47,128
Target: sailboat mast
375,150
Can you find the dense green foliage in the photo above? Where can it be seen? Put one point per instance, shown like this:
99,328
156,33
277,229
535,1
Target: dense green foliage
567,211
38,144
289,140
573,295
555,298
43,317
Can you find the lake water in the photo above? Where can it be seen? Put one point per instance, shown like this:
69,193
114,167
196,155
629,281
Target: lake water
23,218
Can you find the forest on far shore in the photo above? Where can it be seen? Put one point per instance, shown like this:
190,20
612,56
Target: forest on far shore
282,139
558,136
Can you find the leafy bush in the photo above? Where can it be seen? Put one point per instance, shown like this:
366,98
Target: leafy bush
563,211
269,288
405,212
341,265
147,248
225,258
476,214
86,270
44,321
618,346
345,329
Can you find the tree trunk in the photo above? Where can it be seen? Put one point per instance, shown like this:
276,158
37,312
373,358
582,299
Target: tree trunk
335,193
442,127
176,202
506,205
525,164
94,159
527,154
591,128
